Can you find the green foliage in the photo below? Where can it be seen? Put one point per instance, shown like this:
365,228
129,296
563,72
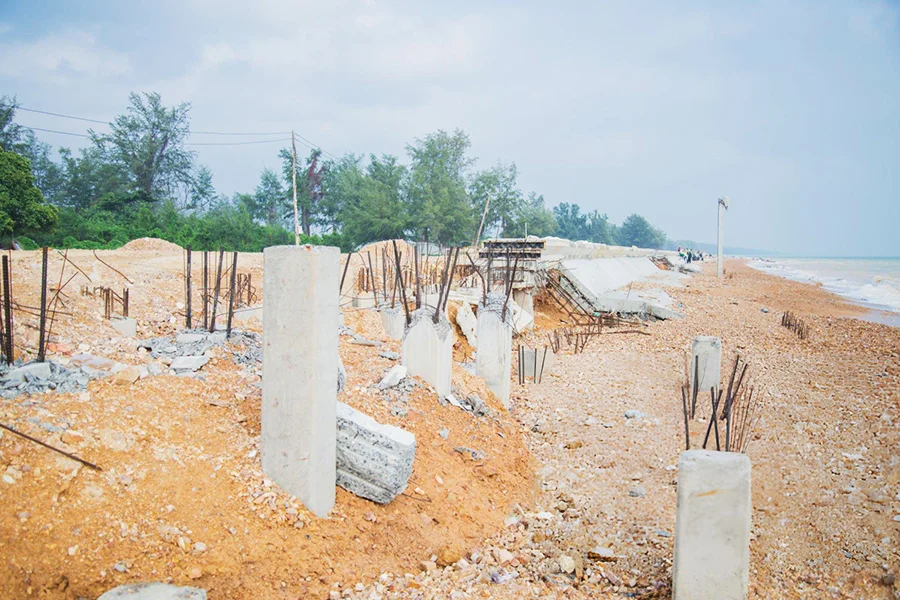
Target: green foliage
22,207
27,243
495,188
637,231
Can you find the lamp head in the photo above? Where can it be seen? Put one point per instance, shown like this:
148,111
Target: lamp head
724,201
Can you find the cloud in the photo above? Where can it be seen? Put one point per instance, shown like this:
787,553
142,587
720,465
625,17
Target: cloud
62,58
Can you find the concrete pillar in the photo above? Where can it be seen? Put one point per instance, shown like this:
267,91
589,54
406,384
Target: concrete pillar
394,321
525,300
712,526
300,359
428,350
494,358
708,349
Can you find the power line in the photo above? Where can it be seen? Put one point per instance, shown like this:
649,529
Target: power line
236,143
55,131
53,114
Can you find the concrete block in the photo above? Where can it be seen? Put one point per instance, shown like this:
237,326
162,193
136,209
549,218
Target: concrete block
525,300
364,301
466,320
544,361
708,350
394,321
494,358
30,372
712,526
153,591
428,350
126,326
188,363
521,320
394,376
247,313
374,461
300,359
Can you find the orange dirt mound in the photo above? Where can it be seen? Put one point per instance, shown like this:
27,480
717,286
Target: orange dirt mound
151,244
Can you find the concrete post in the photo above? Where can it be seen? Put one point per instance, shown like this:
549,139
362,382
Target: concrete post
494,358
707,351
525,300
300,359
712,526
394,321
720,257
428,349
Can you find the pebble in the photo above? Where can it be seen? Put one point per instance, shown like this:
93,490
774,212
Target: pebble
444,432
566,564
637,492
634,414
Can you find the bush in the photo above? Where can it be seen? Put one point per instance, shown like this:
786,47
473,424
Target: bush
27,243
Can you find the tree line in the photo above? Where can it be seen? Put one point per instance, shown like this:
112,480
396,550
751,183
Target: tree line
141,179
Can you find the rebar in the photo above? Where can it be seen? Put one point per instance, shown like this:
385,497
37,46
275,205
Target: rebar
234,259
7,312
42,325
205,290
187,304
45,445
218,290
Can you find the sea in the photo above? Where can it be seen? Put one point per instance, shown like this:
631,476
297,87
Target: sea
871,282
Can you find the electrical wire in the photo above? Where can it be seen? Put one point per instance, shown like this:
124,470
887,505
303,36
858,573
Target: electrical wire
236,143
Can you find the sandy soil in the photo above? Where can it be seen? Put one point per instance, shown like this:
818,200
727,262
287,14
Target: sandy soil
181,463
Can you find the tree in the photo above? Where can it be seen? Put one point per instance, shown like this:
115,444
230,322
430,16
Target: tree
203,194
147,146
599,229
533,218
309,187
269,202
22,207
372,202
495,188
436,187
572,224
637,231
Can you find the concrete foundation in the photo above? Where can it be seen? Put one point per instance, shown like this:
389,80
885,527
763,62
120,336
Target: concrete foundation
300,359
247,313
374,461
708,352
394,321
545,362
466,320
494,359
712,526
428,350
125,325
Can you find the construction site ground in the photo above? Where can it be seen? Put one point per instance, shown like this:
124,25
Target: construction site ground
563,497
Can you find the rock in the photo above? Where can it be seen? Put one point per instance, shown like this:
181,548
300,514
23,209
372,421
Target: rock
566,563
188,363
390,355
444,432
634,414
574,444
195,573
427,566
31,372
394,376
127,376
602,553
71,437
361,341
504,556
764,309
448,555
126,326
637,492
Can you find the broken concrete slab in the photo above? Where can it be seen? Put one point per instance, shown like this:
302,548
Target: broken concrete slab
468,323
428,350
153,591
394,376
707,352
188,363
34,371
374,460
126,326
712,526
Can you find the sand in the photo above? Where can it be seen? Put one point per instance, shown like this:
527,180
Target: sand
181,462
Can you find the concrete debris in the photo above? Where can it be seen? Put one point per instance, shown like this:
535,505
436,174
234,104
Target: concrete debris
184,364
392,377
35,371
362,341
467,322
374,461
38,378
153,591
390,355
126,326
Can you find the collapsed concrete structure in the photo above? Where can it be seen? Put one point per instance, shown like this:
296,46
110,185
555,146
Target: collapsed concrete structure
494,358
428,349
301,345
712,526
374,460
706,353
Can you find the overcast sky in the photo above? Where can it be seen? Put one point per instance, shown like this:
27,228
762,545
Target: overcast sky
792,109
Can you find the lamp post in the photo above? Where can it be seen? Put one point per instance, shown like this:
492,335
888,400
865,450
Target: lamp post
720,260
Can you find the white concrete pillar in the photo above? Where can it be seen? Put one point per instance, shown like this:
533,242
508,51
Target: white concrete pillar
394,321
712,526
707,351
428,350
300,359
494,358
525,300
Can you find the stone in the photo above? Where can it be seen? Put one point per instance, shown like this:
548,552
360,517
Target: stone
392,377
494,359
637,492
188,363
34,371
300,359
393,319
126,326
712,526
634,414
127,376
390,355
566,563
707,351
428,350
468,323
71,437
602,553
373,460
449,555
153,591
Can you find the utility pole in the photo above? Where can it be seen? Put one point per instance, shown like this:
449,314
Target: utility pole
480,227
294,177
720,259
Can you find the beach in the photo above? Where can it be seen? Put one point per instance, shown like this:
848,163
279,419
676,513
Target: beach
564,478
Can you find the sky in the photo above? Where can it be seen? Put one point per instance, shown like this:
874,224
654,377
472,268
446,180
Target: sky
791,109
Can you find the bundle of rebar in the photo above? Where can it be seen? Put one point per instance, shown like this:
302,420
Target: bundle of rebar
795,324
